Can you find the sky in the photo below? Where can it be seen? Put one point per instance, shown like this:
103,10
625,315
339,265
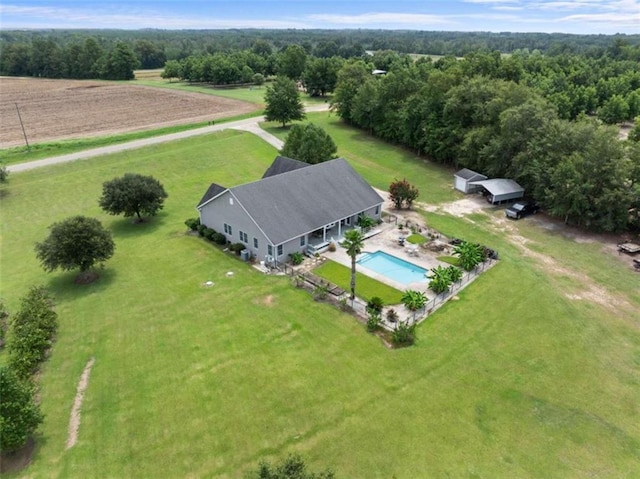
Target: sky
548,16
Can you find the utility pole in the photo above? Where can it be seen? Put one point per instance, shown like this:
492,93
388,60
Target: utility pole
22,125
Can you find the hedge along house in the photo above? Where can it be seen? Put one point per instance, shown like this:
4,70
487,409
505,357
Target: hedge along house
294,207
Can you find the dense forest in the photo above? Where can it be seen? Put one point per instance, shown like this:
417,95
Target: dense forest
533,107
577,168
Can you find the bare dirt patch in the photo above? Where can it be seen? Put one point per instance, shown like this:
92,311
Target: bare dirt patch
64,109
17,460
74,420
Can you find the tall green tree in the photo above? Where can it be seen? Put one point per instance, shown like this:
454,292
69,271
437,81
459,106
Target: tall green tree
77,242
19,413
353,243
292,62
350,77
309,143
283,102
321,75
133,194
120,63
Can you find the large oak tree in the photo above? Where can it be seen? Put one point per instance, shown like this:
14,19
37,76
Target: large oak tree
133,194
77,242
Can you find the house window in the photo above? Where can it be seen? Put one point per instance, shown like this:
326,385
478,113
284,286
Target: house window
302,240
378,210
279,250
243,237
255,243
227,229
270,250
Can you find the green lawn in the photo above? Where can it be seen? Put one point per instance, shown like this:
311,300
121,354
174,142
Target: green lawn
379,162
366,287
252,94
516,379
39,151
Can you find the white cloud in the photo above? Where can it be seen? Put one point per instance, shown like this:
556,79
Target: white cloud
491,2
37,17
381,18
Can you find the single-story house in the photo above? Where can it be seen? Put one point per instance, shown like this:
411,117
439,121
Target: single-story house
294,207
463,179
499,190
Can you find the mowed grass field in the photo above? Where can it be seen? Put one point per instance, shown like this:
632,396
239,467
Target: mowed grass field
516,379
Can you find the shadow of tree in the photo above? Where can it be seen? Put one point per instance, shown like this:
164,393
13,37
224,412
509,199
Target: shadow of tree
64,288
131,227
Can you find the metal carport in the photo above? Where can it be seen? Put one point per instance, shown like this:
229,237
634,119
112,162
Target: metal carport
500,190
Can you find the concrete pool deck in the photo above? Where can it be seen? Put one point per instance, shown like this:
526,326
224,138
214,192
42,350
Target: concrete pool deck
387,240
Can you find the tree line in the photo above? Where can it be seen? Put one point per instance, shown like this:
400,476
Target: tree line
178,44
464,115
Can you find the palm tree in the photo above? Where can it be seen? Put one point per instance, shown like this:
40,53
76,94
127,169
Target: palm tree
353,243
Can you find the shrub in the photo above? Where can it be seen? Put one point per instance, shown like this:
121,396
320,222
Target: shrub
192,223
373,322
201,229
392,316
455,274
365,222
404,335
344,304
4,324
375,305
332,247
237,247
32,331
296,258
219,238
413,300
208,233
320,292
19,413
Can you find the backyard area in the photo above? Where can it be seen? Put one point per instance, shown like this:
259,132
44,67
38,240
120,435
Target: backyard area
533,369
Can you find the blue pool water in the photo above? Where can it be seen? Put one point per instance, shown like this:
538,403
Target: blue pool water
393,268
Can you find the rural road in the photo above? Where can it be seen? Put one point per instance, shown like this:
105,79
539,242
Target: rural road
248,124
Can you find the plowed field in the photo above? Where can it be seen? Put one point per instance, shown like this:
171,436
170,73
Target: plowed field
63,109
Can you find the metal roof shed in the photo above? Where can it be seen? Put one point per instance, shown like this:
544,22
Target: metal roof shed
500,190
462,180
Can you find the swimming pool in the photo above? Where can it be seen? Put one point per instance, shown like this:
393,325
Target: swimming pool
393,268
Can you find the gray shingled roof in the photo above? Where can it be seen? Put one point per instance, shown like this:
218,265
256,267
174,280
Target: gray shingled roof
282,164
213,191
297,202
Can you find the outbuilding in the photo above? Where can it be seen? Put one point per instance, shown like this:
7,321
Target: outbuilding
500,190
462,180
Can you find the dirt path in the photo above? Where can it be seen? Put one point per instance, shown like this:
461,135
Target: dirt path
74,420
590,291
